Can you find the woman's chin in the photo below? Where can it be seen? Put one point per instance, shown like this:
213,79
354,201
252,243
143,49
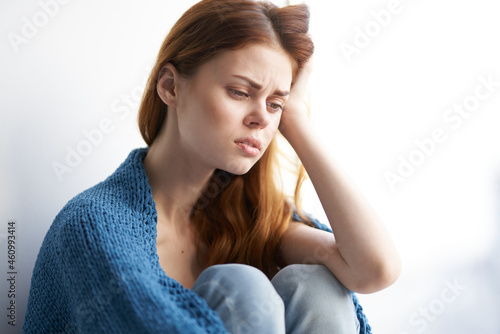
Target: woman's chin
238,168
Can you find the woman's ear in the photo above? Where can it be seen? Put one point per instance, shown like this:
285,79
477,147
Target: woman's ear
167,84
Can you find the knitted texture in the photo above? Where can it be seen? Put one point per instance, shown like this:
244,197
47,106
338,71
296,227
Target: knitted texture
98,270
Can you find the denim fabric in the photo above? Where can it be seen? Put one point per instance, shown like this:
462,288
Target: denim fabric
315,301
299,299
243,297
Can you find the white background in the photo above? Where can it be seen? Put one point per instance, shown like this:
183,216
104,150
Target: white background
86,65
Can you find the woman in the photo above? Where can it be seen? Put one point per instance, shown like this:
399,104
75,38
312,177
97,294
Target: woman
193,234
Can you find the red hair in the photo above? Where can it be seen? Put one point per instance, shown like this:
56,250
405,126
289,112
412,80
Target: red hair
238,219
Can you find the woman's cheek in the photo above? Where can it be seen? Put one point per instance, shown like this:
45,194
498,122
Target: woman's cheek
275,124
223,110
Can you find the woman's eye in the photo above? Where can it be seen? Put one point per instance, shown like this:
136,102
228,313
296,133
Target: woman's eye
238,93
275,107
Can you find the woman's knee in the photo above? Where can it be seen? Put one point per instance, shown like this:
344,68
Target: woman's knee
241,282
243,296
235,276
314,281
315,301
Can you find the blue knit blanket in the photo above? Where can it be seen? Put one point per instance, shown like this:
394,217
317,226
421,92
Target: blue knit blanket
98,270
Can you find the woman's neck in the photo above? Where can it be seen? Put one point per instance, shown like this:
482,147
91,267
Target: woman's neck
175,177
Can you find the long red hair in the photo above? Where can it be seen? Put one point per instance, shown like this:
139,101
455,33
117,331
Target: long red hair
239,219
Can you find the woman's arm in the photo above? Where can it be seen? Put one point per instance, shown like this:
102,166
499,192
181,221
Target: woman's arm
361,255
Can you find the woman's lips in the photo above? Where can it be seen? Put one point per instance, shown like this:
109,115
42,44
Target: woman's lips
250,150
249,145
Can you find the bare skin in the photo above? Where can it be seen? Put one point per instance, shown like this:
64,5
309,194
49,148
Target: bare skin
177,252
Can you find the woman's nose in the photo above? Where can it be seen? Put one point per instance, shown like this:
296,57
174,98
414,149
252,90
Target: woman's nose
258,116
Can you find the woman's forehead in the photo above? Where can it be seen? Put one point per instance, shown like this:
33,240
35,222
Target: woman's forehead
262,64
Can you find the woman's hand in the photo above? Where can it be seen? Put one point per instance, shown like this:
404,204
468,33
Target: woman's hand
296,109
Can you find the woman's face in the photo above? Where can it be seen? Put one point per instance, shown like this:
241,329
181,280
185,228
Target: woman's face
229,111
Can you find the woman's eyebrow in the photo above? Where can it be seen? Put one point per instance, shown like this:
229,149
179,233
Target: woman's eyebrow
259,86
